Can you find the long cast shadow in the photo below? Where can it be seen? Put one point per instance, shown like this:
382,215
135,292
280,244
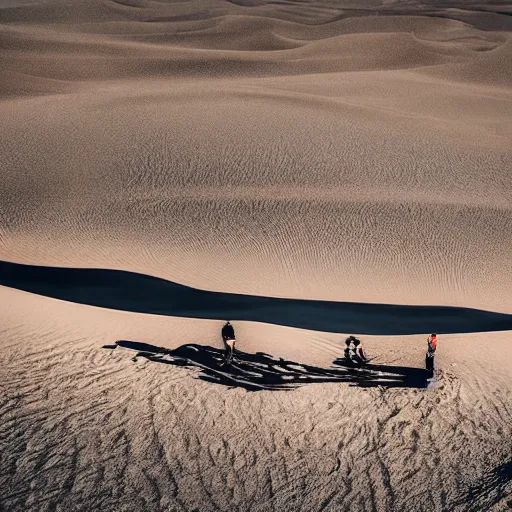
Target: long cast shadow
139,293
256,372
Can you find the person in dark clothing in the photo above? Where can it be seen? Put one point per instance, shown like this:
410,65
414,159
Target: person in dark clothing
354,355
228,336
348,355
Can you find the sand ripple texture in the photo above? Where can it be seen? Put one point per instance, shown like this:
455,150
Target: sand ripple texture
86,428
329,150
338,150
252,188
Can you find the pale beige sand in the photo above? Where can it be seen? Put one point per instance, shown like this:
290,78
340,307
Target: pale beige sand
348,151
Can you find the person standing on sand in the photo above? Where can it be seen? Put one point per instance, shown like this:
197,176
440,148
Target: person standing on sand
431,349
432,343
228,336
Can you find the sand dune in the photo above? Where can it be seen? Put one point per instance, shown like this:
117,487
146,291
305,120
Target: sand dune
103,431
272,156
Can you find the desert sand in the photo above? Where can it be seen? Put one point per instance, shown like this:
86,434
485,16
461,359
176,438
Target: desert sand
242,153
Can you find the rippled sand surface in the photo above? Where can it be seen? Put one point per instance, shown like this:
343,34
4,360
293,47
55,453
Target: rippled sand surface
329,150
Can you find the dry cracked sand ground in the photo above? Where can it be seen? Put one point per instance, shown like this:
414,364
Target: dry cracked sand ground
329,150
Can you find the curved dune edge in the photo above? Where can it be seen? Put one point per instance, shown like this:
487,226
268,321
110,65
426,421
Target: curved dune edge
110,41
138,293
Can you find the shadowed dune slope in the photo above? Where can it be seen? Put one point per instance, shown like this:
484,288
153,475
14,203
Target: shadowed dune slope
146,294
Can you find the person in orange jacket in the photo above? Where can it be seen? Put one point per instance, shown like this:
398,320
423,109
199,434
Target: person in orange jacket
431,349
432,343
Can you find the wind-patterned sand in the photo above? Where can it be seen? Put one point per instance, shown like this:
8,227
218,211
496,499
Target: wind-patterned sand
346,151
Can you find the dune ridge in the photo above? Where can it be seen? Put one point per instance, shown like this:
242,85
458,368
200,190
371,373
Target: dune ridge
146,294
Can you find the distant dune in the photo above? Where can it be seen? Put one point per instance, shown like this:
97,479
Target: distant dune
256,151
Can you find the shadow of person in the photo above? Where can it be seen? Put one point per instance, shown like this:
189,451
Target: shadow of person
260,371
410,373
